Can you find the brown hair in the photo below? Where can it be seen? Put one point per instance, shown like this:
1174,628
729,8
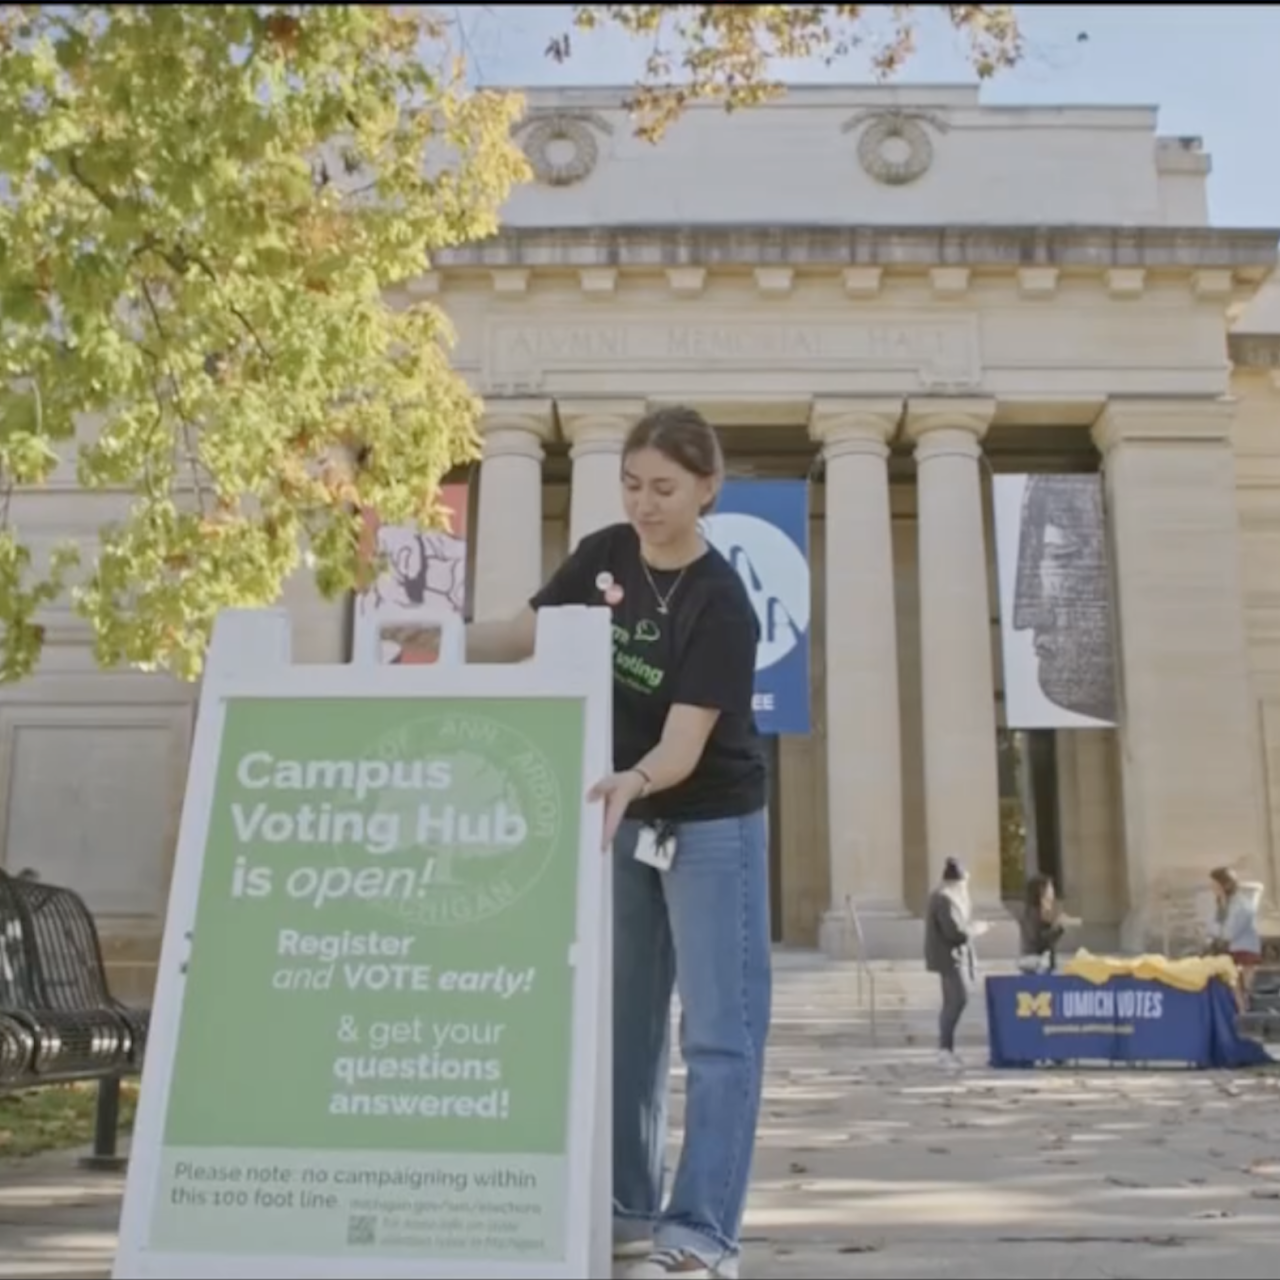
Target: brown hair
682,435
1226,878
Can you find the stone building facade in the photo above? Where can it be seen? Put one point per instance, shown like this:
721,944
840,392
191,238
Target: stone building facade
895,293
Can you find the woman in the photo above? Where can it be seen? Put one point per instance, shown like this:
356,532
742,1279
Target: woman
1042,927
949,930
689,786
1235,926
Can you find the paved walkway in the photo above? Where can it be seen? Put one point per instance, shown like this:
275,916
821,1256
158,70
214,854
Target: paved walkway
873,1164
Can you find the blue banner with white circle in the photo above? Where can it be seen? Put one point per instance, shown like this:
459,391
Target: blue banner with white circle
762,528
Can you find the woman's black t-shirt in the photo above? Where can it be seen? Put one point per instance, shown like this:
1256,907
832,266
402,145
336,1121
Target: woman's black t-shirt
702,652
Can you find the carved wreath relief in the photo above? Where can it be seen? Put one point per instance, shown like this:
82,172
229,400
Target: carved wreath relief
895,148
561,145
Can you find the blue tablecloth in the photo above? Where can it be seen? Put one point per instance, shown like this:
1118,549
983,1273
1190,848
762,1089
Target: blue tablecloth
1037,1018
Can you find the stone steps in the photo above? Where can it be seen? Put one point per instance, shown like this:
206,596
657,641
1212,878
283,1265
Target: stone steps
834,999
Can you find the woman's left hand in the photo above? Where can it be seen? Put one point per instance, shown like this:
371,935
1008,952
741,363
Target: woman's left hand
617,791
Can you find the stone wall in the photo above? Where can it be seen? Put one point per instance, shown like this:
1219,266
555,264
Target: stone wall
1256,387
909,155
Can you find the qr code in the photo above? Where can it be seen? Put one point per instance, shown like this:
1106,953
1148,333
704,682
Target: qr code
362,1229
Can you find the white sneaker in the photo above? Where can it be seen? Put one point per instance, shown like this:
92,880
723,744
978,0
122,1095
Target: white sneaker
680,1264
948,1060
626,1249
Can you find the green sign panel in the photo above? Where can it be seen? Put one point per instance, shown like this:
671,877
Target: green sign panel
375,1044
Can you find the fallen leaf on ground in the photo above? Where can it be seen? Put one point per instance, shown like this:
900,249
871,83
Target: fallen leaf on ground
55,1117
1159,1242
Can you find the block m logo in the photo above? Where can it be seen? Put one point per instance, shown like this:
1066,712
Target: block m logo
1035,1004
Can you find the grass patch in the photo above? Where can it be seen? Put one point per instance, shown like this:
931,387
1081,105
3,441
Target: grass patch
56,1117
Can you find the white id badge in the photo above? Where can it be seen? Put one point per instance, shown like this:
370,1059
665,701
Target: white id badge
656,849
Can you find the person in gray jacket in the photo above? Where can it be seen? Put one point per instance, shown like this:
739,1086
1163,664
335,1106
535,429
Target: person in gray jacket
949,930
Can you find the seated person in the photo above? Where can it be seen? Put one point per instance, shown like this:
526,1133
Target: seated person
1043,925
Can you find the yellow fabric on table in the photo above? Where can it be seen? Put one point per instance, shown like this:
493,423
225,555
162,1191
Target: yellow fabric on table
1191,974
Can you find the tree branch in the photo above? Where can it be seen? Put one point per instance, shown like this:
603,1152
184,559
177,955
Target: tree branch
181,257
104,198
188,427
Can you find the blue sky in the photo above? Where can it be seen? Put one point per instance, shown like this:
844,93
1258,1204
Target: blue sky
1213,72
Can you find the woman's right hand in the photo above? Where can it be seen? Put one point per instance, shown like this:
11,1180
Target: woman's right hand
417,644
617,791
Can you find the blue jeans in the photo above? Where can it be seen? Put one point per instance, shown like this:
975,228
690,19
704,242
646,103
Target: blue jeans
704,927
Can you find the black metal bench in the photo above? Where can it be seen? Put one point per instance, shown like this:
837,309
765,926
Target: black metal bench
59,1023
1261,1017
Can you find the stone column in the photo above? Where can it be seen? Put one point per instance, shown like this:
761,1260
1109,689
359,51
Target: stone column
1189,738
962,794
864,754
596,431
509,525
1092,851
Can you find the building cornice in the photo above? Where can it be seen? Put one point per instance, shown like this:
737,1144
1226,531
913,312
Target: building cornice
1249,253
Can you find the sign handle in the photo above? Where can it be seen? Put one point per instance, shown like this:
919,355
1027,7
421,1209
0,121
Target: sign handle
453,643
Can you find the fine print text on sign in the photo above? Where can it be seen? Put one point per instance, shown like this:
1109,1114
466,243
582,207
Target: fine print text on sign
373,1057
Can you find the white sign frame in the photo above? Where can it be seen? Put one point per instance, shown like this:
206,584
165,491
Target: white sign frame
249,658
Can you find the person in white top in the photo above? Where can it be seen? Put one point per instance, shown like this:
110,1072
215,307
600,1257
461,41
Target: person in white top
1234,931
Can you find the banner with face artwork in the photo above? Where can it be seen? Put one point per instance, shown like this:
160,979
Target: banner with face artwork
424,574
1055,602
